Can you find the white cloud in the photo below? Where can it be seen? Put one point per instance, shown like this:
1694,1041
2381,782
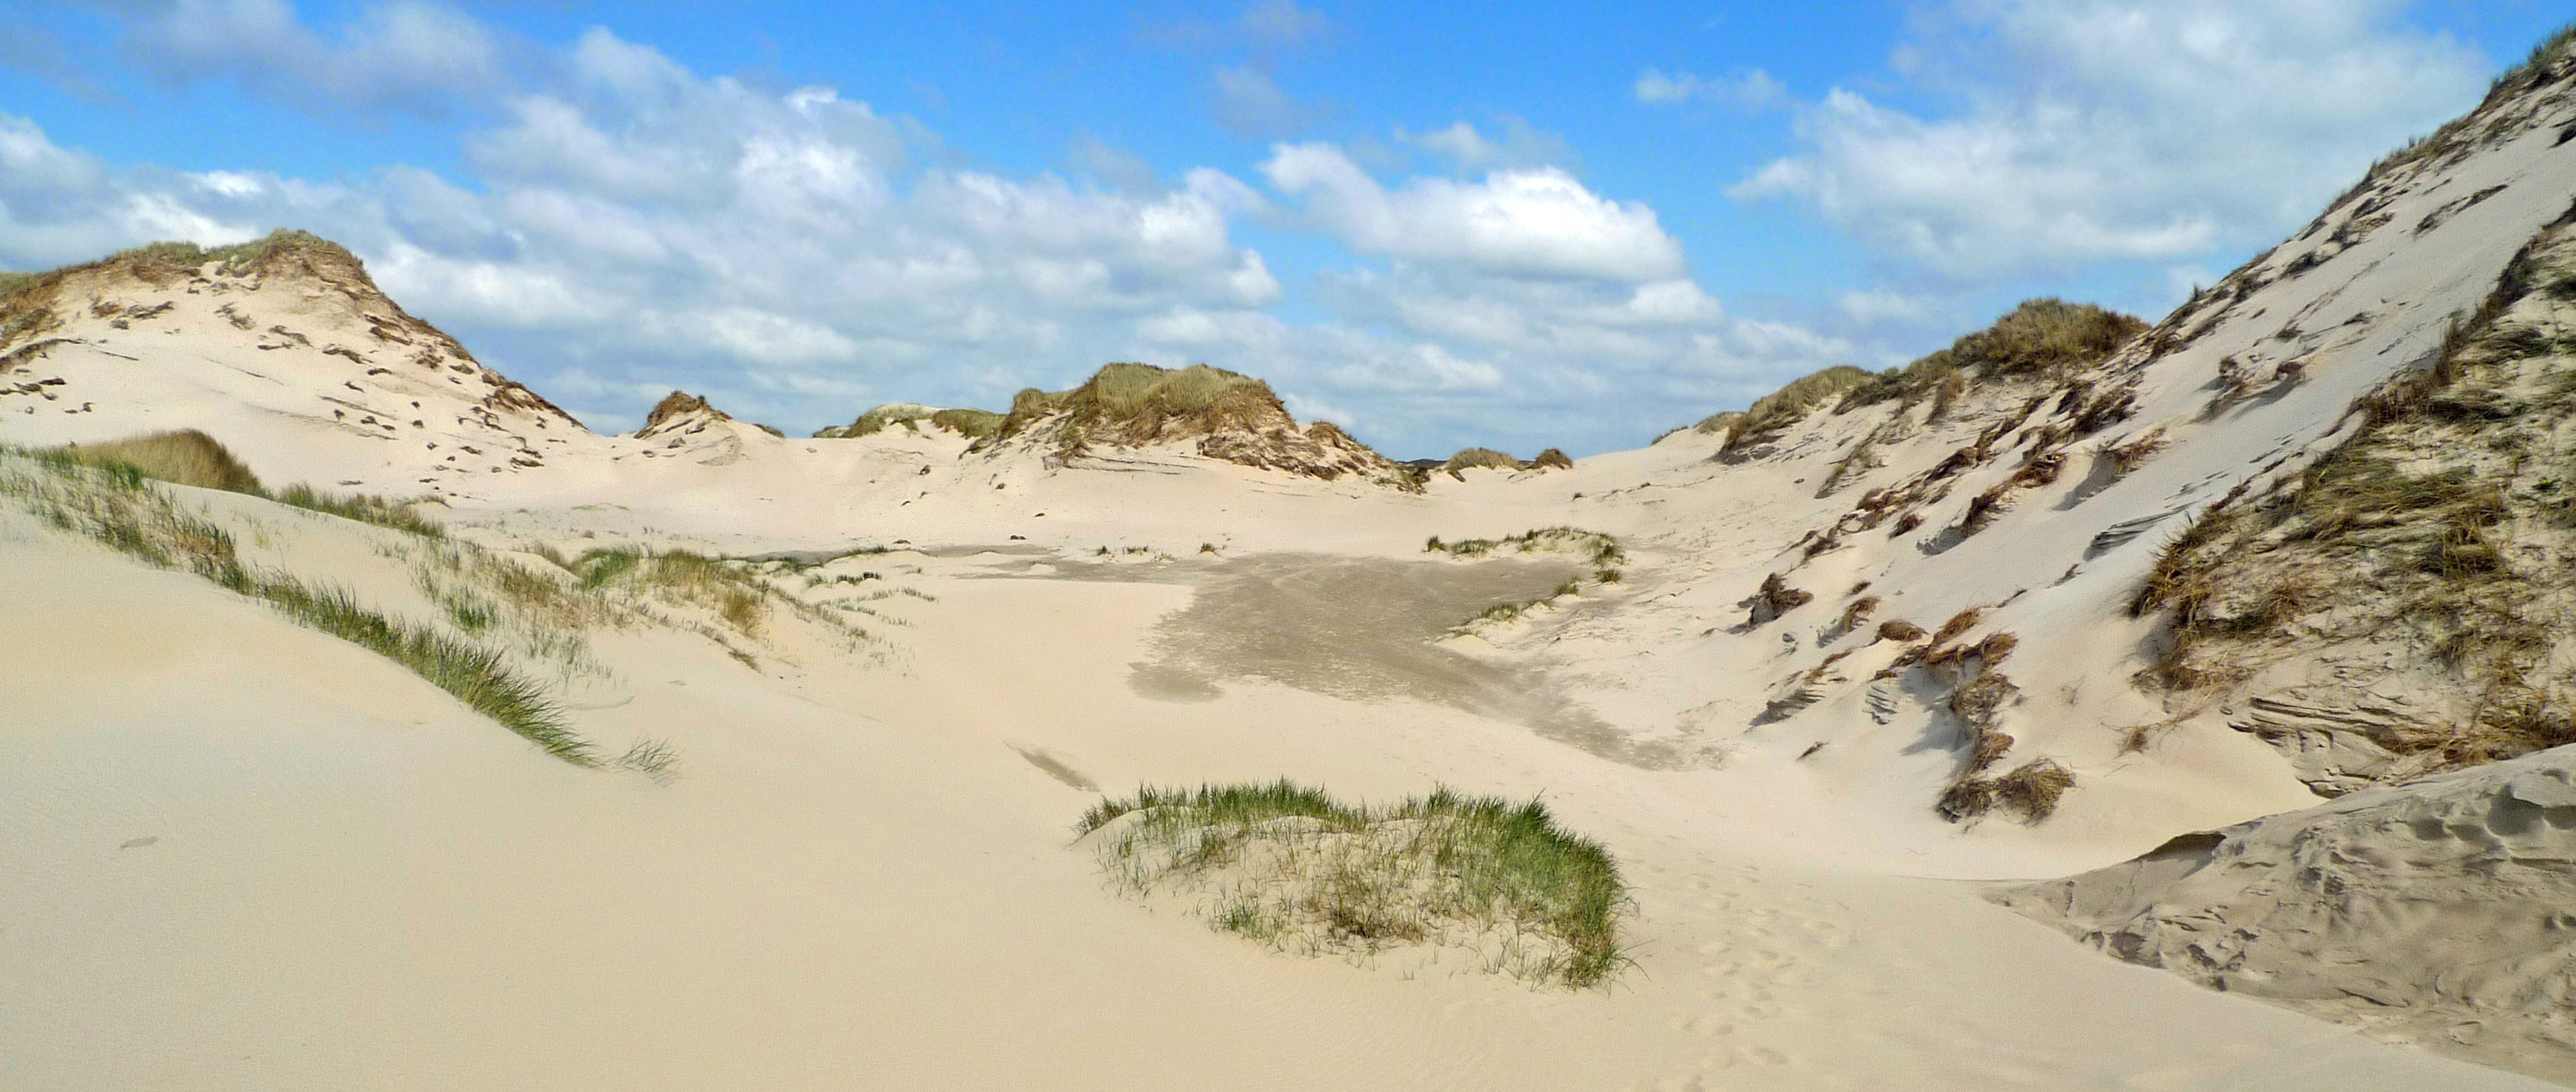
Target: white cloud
1754,89
2093,130
1538,222
1280,24
1250,104
404,54
1518,145
623,226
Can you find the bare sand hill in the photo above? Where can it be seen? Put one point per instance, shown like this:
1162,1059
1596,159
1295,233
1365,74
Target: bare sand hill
817,717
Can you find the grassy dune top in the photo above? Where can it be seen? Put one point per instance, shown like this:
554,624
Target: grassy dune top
973,424
1140,403
282,250
2045,337
1290,865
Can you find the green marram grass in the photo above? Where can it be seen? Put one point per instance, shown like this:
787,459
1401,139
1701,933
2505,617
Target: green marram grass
1601,551
117,506
1139,403
364,509
1288,864
192,458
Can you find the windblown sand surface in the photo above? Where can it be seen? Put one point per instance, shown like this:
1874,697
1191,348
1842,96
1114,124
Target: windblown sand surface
244,855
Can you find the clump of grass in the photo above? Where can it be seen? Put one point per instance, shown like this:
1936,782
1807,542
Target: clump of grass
476,676
184,457
653,758
1898,629
1141,404
1862,458
1774,598
2046,337
1959,623
1601,551
875,421
113,506
973,424
1716,423
2030,790
1773,413
364,509
1289,864
1854,612
1478,458
1552,459
970,423
2127,457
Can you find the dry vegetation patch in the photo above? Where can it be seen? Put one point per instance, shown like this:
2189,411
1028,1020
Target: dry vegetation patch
2430,556
1600,551
1292,867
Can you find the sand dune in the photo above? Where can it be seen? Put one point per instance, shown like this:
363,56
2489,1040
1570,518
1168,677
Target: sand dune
1822,679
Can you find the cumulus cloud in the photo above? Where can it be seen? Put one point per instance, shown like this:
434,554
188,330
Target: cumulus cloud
1531,222
622,225
2100,130
1516,146
1752,89
406,54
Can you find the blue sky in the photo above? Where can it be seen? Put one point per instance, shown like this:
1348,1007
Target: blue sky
1512,225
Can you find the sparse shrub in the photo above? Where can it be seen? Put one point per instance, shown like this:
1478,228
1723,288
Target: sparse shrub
1289,863
1552,459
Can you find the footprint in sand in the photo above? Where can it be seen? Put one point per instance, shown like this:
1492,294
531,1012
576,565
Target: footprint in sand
1711,1026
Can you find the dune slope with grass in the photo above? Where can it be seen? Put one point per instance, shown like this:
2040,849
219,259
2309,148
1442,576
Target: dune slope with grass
1143,737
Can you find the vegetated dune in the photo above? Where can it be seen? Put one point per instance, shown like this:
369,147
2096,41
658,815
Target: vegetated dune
2035,605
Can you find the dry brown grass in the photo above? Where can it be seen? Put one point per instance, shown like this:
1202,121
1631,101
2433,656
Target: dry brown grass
1958,624
2041,338
2127,457
1898,629
1855,612
2031,789
1478,458
1775,412
184,457
1552,459
1775,597
1142,404
974,424
1861,459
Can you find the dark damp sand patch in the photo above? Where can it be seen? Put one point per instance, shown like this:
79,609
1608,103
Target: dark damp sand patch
1365,629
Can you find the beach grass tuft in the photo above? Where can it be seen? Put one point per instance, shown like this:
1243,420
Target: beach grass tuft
1286,862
